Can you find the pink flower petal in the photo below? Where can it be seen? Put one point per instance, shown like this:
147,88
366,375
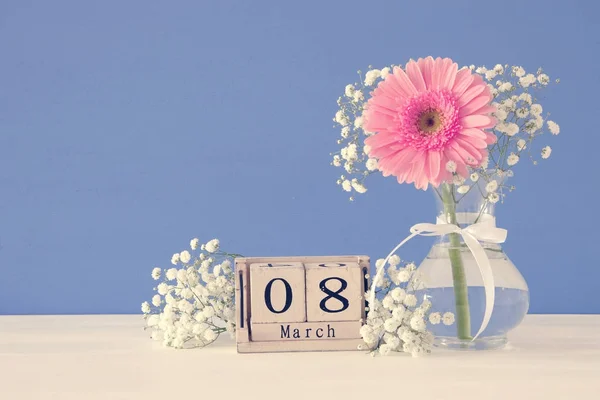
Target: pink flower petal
490,138
473,132
426,67
477,142
475,121
470,94
381,140
487,109
415,75
433,165
491,124
463,80
436,76
404,82
474,105
395,88
449,74
466,149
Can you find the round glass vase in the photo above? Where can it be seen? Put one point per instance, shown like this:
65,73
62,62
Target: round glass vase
450,277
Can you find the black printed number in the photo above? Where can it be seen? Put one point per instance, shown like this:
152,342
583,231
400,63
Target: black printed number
333,295
288,296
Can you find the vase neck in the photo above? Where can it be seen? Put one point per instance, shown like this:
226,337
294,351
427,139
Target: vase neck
466,218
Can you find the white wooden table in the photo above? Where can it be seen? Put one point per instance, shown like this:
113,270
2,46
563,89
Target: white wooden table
111,357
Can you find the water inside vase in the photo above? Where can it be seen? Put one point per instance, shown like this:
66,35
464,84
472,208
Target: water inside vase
510,307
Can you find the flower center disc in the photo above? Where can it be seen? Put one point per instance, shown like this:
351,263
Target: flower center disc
429,121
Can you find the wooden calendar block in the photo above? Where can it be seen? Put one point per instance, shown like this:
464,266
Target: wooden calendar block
300,303
278,292
334,291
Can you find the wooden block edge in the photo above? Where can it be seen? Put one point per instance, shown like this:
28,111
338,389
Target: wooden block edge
300,346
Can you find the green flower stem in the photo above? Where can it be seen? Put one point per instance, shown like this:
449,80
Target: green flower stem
461,294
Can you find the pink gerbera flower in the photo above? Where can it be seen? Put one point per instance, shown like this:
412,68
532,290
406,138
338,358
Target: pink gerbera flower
428,115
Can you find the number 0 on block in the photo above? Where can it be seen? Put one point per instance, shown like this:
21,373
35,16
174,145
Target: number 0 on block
300,303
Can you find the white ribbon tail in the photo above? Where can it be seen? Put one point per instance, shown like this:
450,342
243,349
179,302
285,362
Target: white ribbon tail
487,276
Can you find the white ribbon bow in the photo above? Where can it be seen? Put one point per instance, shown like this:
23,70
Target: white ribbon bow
485,231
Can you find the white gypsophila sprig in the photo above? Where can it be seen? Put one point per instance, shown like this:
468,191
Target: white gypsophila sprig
194,303
353,156
520,121
397,321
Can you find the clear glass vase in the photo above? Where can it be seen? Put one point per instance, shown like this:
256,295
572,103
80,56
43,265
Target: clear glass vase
450,277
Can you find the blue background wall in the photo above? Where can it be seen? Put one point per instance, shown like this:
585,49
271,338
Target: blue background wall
127,128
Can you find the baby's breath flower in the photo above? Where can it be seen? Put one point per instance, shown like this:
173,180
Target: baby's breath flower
345,132
522,112
546,151
358,96
175,259
359,187
156,273
492,186
194,243
521,144
145,307
156,300
474,177
349,90
394,260
536,109
347,185
505,87
398,294
525,97
448,318
518,71
451,166
417,324
390,325
403,276
358,122
371,164
385,72
553,127
463,189
212,246
543,79
341,118
210,335
491,74
185,256
500,114
410,300
435,318
171,274
162,289
371,76
512,159
493,197
337,161
527,80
